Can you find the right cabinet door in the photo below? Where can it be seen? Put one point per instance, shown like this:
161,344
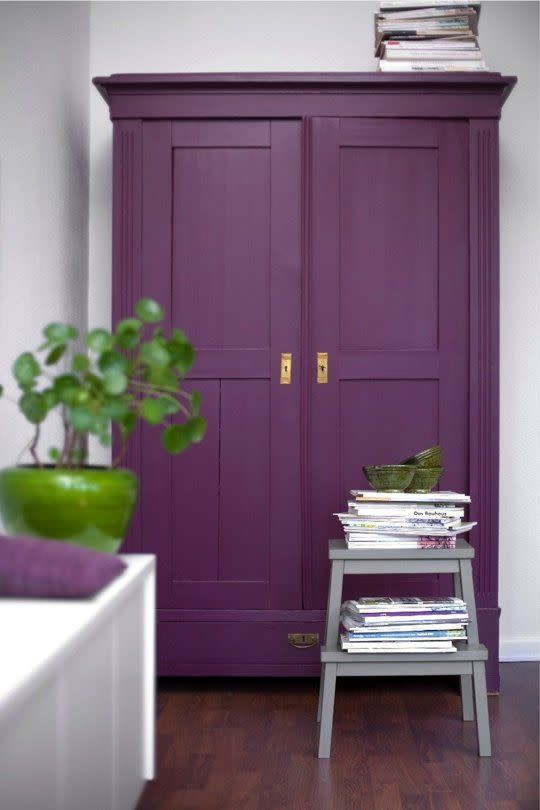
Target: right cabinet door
389,305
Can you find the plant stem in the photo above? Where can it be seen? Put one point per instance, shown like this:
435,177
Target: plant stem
119,456
65,425
144,388
33,447
82,446
70,447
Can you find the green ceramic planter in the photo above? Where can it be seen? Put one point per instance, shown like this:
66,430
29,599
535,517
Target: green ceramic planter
89,507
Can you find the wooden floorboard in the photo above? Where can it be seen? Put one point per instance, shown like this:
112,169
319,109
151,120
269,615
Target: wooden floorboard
398,744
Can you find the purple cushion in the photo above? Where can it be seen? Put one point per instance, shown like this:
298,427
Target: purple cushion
48,568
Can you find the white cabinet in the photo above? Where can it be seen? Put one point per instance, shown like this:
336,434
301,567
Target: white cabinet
77,696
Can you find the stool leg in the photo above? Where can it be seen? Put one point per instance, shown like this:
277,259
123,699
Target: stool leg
467,704
482,716
457,585
334,602
327,713
321,690
467,589
465,681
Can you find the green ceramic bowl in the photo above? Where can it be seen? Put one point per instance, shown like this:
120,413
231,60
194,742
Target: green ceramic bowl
389,477
424,479
431,457
88,507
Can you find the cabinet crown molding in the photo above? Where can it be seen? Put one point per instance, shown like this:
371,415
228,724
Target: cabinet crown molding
118,88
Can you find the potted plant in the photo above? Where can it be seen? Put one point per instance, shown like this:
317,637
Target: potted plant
133,373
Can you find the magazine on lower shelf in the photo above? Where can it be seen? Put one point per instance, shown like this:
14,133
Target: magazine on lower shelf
403,624
396,646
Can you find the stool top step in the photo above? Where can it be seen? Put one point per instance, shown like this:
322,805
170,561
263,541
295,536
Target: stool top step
337,550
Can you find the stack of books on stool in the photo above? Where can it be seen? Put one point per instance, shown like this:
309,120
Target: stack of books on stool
384,520
407,624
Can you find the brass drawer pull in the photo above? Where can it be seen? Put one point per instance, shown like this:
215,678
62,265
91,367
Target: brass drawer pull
303,640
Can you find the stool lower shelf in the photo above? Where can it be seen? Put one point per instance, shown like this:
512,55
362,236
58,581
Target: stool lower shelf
465,653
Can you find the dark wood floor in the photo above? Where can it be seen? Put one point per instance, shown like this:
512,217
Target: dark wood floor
397,744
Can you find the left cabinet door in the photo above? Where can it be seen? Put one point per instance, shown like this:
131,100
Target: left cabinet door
221,248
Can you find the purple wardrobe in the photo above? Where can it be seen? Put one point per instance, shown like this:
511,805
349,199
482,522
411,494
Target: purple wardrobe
351,214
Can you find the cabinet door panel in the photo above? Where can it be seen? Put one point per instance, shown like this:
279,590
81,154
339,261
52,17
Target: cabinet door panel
221,246
395,244
228,527
389,304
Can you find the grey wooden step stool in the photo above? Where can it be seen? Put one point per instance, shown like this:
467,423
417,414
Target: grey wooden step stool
468,662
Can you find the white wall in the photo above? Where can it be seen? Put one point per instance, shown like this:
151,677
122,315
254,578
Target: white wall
44,98
509,37
176,37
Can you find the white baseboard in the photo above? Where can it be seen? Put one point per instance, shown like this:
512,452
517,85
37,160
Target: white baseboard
523,648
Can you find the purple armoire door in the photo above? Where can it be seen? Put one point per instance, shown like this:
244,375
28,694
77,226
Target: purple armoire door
222,245
353,214
389,305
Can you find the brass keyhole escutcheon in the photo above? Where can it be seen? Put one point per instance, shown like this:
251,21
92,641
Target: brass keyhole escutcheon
322,367
286,364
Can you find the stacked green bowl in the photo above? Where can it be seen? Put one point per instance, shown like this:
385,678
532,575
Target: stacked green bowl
431,457
427,469
389,477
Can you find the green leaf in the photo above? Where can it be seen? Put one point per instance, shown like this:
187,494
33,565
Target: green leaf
127,423
49,395
82,418
65,388
33,406
178,336
170,404
197,428
80,363
53,453
154,411
176,438
128,325
127,340
128,333
55,354
112,360
95,383
99,340
26,368
154,354
80,396
115,409
184,355
60,332
195,403
149,311
114,382
163,378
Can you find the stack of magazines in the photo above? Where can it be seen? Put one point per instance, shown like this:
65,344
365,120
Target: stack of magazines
408,624
435,35
394,520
